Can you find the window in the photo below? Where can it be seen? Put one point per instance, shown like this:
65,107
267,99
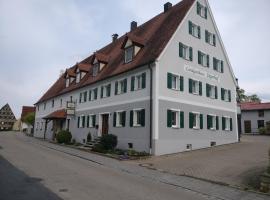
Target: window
195,87
212,122
81,121
227,123
195,120
93,94
175,82
119,119
210,38
201,10
91,121
218,65
129,52
137,117
185,52
189,147
225,95
261,113
175,118
211,91
96,69
52,103
44,106
67,82
194,30
121,87
105,91
203,59
260,123
138,82
83,97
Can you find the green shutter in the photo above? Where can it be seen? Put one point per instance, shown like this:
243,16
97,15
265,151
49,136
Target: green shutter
78,122
231,124
169,80
222,68
190,85
94,120
109,91
131,118
206,36
143,117
143,80
90,94
214,39
190,27
169,118
222,93
205,12
124,119
96,93
181,83
181,49
208,121
83,121
125,85
116,88
230,95
114,119
200,88
191,120
207,90
214,63
87,121
223,123
208,63
199,58
201,121
216,92
80,98
217,122
198,8
190,53
132,83
101,92
85,96
182,119
199,32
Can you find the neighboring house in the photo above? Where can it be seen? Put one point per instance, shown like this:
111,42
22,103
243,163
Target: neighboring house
254,116
166,86
24,127
7,118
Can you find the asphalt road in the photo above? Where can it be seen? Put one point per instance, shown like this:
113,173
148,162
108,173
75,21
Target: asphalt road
32,171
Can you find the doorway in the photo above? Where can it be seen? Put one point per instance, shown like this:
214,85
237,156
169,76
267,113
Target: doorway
247,125
104,124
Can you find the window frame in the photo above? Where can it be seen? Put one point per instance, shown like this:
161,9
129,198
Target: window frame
196,86
135,115
196,118
96,69
177,118
129,57
91,121
119,118
214,122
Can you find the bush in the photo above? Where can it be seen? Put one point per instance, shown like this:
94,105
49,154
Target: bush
109,141
63,137
99,148
89,137
262,131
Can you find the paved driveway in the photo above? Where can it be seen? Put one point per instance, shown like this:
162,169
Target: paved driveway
231,164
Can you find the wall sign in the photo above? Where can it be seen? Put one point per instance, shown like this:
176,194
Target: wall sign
202,73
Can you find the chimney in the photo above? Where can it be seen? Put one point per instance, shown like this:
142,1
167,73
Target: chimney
133,25
167,6
114,37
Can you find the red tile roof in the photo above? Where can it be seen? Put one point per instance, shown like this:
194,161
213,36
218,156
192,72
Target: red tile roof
254,106
154,34
26,110
59,114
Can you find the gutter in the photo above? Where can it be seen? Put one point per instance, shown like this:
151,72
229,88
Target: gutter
151,107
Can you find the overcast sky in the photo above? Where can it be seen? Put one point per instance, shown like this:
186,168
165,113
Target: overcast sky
40,38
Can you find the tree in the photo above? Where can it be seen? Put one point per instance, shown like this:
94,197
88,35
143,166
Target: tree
29,119
242,97
254,98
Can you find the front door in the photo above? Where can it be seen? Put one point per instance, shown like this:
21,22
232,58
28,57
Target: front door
247,125
105,124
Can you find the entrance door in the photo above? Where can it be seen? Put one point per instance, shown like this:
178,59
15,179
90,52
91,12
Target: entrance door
105,124
247,125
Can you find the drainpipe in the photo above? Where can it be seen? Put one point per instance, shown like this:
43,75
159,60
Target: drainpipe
151,106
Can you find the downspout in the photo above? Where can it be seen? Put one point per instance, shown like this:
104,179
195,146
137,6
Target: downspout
151,107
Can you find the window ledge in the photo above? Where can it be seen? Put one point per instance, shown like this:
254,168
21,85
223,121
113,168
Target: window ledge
137,125
175,127
196,128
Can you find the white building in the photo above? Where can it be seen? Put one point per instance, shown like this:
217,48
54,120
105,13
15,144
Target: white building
166,86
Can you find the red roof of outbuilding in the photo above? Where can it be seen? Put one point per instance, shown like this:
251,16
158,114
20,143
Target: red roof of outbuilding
154,34
26,110
255,106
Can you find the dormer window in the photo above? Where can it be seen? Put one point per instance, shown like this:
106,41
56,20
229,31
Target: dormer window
78,76
67,82
96,69
129,53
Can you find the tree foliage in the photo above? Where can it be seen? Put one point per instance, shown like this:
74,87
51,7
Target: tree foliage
242,97
29,119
